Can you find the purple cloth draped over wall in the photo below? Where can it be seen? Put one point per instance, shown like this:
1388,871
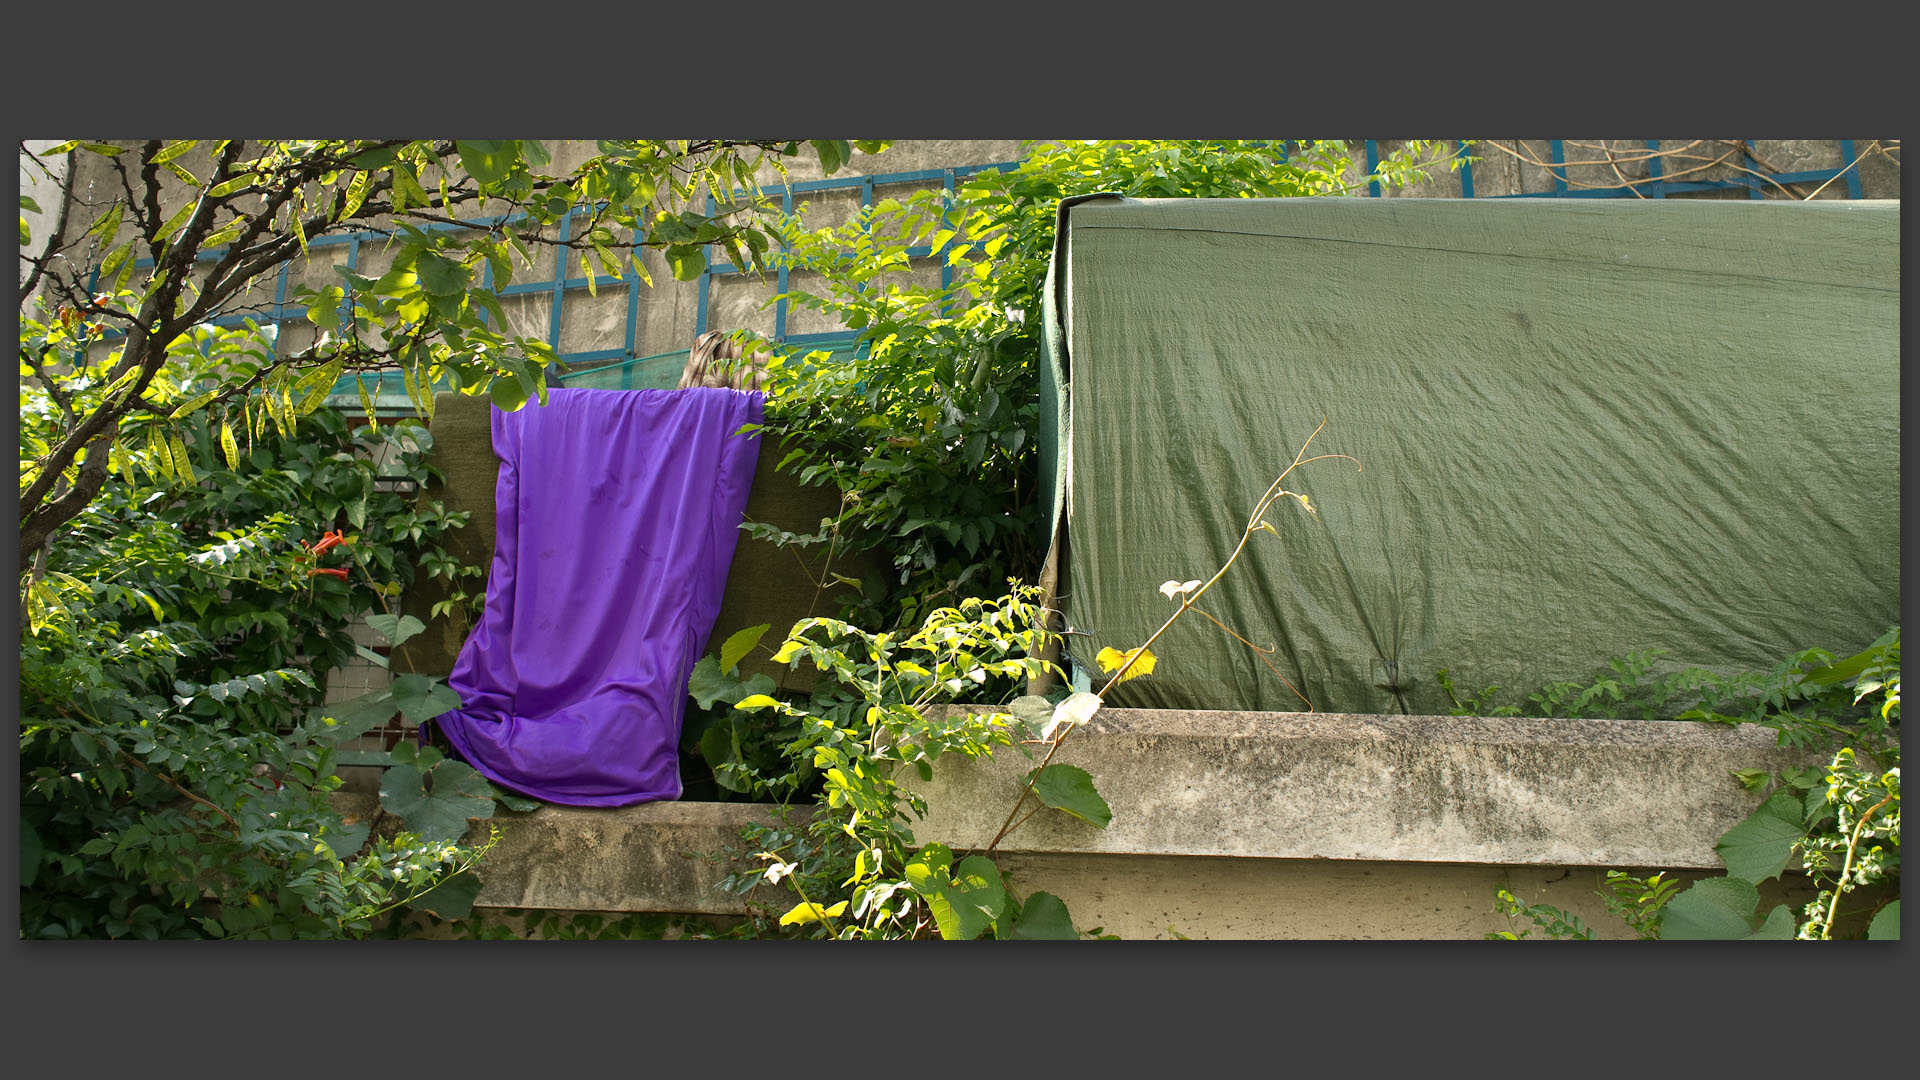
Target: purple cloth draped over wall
618,511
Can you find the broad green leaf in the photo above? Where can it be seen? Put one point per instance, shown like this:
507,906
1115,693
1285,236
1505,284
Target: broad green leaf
740,644
452,898
441,276
965,901
397,629
458,795
1713,909
419,698
27,203
324,312
833,154
507,394
1068,788
707,684
1779,925
1884,927
345,839
1043,918
355,716
1759,847
688,263
488,161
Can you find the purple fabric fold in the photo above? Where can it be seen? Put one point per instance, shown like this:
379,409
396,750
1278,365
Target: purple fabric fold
617,516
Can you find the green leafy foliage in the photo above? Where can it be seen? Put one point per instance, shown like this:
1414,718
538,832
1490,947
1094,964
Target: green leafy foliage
930,433
175,248
1839,825
177,766
854,863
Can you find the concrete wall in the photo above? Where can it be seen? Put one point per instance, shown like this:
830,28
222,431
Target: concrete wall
1246,826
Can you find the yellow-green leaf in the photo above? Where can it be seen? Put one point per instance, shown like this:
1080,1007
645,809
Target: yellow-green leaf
193,404
114,258
801,914
1112,659
159,458
182,464
173,150
226,188
229,446
366,399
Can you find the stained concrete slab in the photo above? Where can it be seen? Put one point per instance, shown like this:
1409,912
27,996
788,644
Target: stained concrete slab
1417,789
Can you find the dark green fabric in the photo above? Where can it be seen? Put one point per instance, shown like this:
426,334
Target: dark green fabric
1587,428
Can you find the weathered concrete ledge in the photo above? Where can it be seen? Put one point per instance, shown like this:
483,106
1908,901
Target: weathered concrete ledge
664,856
1413,789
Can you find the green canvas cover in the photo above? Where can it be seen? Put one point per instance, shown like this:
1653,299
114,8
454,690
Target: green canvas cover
1586,428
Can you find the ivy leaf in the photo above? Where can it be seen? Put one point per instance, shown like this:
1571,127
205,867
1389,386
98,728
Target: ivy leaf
1714,909
1044,918
1751,779
442,811
1112,659
707,685
1759,847
395,628
421,698
1068,788
740,644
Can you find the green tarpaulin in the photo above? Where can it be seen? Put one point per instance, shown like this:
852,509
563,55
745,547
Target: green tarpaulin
1586,428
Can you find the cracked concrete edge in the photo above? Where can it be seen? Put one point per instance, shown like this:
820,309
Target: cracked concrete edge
1421,789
